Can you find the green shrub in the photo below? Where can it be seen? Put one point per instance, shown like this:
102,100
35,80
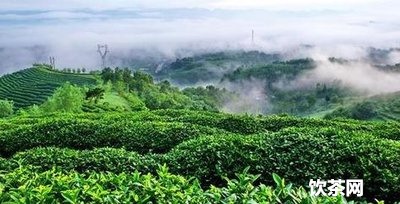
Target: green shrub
134,102
297,154
233,123
251,125
99,159
67,98
365,110
299,149
23,185
242,124
143,137
6,108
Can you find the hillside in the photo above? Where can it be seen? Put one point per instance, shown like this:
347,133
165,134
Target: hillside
380,107
132,138
36,84
282,91
211,67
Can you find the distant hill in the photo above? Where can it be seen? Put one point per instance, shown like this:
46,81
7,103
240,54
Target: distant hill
212,66
36,84
380,107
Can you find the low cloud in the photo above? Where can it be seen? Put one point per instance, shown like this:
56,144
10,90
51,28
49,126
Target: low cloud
358,75
252,98
72,35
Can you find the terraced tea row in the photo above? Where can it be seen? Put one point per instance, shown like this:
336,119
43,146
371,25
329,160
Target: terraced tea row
35,85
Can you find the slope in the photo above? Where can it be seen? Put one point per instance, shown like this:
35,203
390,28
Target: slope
211,67
380,107
36,84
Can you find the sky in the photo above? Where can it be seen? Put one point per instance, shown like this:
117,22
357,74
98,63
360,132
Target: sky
207,4
33,30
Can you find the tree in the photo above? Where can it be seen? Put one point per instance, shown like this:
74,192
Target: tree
120,86
364,111
165,86
78,71
83,70
68,98
95,94
6,108
141,81
134,102
118,74
127,75
107,74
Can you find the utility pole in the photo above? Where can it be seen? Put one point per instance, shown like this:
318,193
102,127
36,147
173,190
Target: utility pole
52,62
103,51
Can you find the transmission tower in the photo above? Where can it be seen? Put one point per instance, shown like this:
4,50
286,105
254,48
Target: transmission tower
252,37
103,51
52,62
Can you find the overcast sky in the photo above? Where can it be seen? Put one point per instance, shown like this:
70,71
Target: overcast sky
32,30
208,4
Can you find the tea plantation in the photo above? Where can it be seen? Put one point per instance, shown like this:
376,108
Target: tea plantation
180,156
35,85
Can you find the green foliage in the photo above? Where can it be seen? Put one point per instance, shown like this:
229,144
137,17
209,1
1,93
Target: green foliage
98,159
134,102
95,94
210,96
162,95
24,185
211,66
359,111
297,154
33,86
67,98
384,107
272,72
209,146
142,137
6,108
285,93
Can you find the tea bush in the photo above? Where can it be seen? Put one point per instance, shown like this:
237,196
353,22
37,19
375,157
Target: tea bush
297,154
99,159
245,124
25,186
232,123
208,146
143,137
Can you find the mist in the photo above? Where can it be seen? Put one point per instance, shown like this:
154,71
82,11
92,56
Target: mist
252,97
165,32
359,75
